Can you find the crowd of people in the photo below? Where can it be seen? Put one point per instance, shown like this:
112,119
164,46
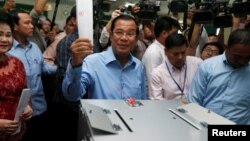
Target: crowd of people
132,60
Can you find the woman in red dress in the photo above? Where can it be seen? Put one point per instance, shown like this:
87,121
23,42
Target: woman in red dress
12,82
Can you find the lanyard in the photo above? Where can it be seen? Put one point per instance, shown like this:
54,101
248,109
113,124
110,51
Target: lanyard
185,76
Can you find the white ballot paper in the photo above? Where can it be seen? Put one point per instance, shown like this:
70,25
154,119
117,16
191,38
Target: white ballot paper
22,104
84,9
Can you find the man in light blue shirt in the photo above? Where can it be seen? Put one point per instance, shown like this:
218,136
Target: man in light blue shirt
221,84
112,74
34,64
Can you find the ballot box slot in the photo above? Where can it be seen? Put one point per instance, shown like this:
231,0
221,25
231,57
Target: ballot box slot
179,113
124,122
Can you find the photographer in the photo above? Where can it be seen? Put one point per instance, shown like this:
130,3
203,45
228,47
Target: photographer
240,22
104,38
197,38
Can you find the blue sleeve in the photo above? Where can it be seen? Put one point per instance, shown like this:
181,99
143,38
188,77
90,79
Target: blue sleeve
71,86
47,68
198,86
144,82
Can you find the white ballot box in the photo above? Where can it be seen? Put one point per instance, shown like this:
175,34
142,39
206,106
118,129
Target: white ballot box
147,120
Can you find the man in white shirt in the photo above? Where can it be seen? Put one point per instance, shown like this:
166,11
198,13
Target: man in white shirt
154,54
173,77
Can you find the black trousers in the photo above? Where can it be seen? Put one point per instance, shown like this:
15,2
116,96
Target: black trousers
63,123
37,128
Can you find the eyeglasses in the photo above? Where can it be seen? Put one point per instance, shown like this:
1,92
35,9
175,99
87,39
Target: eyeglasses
213,51
119,34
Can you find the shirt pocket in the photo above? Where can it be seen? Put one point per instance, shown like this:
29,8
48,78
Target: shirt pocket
133,90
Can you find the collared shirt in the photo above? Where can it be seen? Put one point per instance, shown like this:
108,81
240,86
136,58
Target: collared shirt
152,58
50,53
163,85
102,77
222,89
139,49
34,65
63,52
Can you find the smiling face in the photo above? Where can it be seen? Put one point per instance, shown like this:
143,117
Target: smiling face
6,38
123,37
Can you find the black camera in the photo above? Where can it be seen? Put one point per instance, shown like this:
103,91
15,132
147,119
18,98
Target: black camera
126,10
219,13
148,11
214,11
222,21
178,6
208,10
240,9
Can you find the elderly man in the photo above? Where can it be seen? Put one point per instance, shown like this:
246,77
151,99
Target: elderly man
112,74
221,84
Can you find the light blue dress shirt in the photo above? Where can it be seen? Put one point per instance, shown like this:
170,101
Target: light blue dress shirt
34,65
221,88
102,77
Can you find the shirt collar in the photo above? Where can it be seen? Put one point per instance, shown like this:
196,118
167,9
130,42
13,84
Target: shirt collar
159,44
173,68
110,57
16,44
224,59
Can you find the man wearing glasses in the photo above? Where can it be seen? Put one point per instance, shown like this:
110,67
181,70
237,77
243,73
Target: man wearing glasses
221,83
112,74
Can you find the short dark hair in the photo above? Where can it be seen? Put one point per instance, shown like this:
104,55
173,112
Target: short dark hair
217,44
175,40
240,36
125,17
15,16
165,24
6,18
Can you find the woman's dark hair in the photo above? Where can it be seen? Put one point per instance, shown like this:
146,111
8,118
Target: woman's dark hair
6,18
217,44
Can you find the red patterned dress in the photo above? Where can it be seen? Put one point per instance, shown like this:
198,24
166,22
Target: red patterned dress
12,82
